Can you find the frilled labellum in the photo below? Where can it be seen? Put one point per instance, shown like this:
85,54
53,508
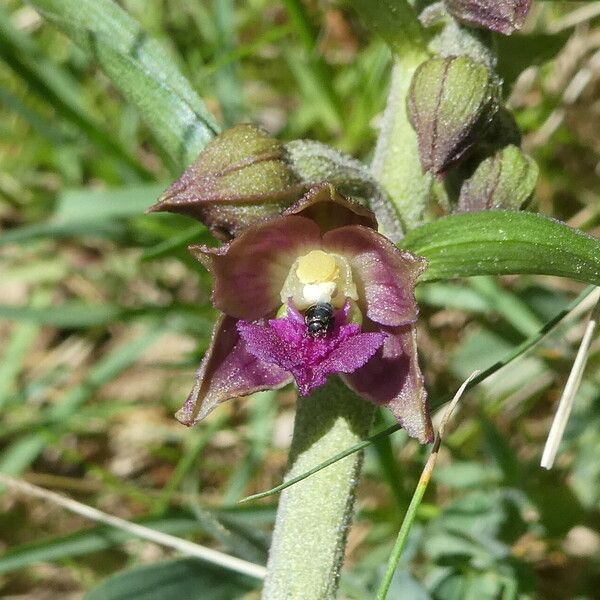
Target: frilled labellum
240,178
505,180
451,103
314,293
503,16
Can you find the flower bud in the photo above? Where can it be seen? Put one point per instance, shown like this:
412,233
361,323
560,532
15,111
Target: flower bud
240,178
505,180
451,103
503,16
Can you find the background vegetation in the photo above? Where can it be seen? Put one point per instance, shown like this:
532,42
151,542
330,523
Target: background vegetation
104,316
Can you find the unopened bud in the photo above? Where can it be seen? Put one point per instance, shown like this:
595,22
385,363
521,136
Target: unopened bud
505,180
503,16
240,178
450,104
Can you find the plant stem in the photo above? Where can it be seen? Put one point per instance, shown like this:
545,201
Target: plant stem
314,516
396,164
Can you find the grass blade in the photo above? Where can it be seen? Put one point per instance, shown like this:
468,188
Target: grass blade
146,533
411,513
18,457
55,86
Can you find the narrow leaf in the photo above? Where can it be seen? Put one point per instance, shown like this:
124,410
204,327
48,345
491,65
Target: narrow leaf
87,211
142,71
504,243
57,87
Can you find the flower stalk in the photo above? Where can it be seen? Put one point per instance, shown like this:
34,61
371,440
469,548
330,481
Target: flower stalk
396,165
314,515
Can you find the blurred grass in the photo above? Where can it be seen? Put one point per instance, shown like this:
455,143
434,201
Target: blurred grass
104,316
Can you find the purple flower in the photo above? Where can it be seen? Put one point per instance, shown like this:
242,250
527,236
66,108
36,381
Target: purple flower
322,252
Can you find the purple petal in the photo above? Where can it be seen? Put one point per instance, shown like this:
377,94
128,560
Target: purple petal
324,205
228,370
286,343
385,277
351,354
392,378
249,272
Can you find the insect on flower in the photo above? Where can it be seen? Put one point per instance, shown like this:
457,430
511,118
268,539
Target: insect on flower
319,318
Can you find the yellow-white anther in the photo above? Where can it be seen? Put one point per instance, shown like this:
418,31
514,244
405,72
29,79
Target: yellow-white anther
317,267
319,276
318,292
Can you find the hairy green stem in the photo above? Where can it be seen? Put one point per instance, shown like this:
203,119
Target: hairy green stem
314,516
396,164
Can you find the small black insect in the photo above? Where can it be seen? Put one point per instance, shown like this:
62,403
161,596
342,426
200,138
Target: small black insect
319,319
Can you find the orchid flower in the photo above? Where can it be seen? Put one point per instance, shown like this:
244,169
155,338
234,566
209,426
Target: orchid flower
324,249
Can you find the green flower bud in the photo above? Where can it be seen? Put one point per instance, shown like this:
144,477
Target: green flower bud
503,16
451,104
505,180
240,178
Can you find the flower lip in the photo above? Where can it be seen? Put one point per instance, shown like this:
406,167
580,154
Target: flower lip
287,344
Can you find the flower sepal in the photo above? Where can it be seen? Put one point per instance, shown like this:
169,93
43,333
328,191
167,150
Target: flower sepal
240,178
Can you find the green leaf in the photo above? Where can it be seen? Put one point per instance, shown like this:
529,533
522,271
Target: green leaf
86,204
55,86
503,243
184,579
142,71
70,314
